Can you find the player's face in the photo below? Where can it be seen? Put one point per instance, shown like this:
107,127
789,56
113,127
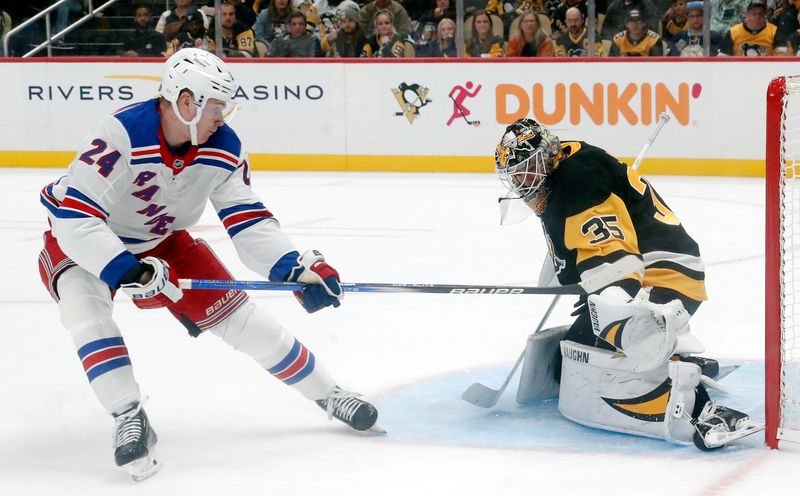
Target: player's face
756,19
446,31
212,117
483,25
228,16
383,25
574,22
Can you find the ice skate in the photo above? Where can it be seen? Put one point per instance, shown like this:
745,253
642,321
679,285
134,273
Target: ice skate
134,444
347,407
718,425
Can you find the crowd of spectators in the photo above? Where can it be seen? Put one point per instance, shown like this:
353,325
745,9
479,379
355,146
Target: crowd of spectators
427,28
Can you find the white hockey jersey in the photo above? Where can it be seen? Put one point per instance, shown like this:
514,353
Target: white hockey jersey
125,192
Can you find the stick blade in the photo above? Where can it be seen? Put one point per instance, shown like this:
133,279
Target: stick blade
481,396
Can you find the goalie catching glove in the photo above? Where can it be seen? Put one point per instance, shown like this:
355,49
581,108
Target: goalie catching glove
647,333
323,287
160,290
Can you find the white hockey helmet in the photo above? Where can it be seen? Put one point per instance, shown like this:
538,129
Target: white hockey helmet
525,156
203,74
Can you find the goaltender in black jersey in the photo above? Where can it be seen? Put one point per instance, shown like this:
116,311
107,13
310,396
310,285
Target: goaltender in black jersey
595,210
628,362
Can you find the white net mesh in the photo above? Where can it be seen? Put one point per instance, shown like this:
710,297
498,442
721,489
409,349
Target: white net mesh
790,271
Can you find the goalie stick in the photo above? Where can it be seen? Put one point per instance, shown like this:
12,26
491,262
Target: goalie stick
485,397
613,272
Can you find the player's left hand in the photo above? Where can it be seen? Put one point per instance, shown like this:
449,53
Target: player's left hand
323,287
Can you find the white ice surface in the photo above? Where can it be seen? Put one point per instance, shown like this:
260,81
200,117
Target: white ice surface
227,427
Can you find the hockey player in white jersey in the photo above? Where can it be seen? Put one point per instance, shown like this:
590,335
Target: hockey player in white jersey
119,218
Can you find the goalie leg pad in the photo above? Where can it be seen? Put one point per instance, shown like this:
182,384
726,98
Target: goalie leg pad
253,331
598,390
538,380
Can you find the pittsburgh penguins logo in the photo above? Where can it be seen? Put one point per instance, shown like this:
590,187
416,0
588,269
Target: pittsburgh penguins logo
749,50
411,98
650,407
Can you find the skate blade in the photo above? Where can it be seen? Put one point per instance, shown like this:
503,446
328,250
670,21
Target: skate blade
377,429
144,468
725,370
715,439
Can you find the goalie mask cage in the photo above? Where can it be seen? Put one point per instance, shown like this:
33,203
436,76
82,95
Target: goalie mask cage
782,274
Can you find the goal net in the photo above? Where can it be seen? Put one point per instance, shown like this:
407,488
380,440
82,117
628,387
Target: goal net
782,271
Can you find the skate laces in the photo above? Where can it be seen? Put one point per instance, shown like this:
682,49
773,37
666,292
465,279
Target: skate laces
342,404
128,426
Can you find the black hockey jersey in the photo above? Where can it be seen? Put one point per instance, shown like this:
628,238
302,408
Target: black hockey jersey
599,210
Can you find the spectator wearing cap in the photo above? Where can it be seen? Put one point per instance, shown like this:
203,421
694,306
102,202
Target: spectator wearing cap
727,13
238,40
401,21
144,41
689,43
345,38
617,14
192,36
636,40
674,20
173,21
754,37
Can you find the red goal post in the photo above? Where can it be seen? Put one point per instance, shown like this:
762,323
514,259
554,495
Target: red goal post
782,271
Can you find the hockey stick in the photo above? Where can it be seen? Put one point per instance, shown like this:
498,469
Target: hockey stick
663,118
485,397
475,123
508,206
615,271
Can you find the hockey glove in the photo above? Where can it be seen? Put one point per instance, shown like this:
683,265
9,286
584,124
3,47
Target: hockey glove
160,290
323,287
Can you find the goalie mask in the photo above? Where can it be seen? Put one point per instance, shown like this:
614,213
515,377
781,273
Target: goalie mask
525,156
205,76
